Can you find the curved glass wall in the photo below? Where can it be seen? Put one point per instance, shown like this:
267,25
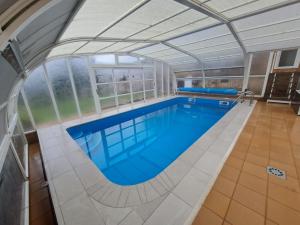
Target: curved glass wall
64,88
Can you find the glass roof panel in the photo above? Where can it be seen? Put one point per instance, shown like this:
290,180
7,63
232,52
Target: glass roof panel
172,23
93,47
151,13
251,7
117,46
187,28
95,15
66,48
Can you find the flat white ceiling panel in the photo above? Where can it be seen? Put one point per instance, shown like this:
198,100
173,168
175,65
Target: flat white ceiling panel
66,48
209,43
151,13
186,28
270,30
177,21
216,48
201,35
133,46
251,7
95,15
153,48
221,5
93,47
117,46
281,14
288,43
124,29
273,38
220,53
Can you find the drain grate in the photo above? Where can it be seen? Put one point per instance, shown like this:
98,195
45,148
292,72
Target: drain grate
276,172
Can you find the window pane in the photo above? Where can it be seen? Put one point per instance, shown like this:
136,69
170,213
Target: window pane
121,75
23,114
224,83
259,63
148,73
38,96
123,88
105,90
103,59
107,103
124,99
137,86
62,88
180,83
104,75
149,85
255,84
197,83
11,192
19,142
126,59
138,96
136,74
83,85
287,57
149,94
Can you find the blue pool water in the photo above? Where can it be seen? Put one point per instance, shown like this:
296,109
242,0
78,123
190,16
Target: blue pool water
135,146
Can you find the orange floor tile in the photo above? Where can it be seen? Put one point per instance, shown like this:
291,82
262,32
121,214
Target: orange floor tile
244,194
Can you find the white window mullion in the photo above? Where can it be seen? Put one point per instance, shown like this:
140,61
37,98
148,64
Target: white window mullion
115,89
92,76
144,86
154,82
267,73
28,108
162,79
71,76
247,67
51,93
168,80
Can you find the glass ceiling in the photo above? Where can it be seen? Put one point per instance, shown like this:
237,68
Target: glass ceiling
173,30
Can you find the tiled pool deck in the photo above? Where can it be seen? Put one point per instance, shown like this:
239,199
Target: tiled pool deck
82,195
244,194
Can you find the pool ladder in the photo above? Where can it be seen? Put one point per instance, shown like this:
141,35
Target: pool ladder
242,96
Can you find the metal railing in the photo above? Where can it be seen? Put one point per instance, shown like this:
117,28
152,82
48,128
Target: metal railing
242,96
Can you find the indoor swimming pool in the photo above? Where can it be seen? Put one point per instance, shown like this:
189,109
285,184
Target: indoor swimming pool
135,146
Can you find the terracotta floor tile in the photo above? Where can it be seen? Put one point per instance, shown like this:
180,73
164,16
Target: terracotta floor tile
282,214
225,186
254,183
250,199
284,196
290,182
269,222
239,154
235,162
255,170
230,173
258,160
281,157
240,215
217,202
270,137
259,151
207,217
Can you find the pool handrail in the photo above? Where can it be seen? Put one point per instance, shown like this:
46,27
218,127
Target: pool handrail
242,96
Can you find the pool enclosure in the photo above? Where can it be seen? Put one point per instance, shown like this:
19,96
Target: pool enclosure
69,59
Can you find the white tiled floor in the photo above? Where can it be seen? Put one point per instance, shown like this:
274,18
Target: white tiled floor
83,196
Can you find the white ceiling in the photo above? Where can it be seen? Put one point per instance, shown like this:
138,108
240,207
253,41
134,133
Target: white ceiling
176,33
